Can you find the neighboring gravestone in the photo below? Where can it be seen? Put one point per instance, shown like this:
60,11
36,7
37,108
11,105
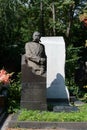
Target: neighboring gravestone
65,108
33,68
55,51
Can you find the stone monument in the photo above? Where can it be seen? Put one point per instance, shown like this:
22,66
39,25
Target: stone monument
57,92
33,68
55,51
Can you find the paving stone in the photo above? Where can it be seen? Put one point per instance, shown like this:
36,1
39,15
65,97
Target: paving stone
78,103
65,108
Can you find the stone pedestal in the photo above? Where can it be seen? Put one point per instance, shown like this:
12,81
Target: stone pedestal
33,94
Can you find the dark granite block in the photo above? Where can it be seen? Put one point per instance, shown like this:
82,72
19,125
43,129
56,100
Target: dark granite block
33,93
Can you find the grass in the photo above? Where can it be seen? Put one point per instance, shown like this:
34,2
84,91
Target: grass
30,115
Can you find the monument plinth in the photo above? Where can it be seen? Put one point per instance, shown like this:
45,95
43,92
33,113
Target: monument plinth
33,94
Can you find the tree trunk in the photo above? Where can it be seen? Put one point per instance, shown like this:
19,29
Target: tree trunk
71,12
42,30
53,13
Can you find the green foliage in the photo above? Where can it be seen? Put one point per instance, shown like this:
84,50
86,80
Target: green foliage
31,115
14,94
72,58
73,88
85,98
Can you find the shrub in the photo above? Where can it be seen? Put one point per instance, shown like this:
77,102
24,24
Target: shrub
14,94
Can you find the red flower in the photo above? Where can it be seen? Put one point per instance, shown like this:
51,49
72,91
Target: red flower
4,77
2,72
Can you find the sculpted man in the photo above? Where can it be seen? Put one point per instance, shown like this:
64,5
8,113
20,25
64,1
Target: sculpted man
35,55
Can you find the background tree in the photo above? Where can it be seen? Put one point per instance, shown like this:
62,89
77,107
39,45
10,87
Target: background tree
20,18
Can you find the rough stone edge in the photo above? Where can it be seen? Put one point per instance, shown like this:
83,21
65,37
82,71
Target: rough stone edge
43,125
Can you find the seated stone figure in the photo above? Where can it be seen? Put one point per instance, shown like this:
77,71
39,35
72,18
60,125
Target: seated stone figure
35,55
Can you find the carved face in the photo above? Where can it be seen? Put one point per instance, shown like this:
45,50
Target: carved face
36,36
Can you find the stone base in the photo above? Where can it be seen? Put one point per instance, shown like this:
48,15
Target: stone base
14,123
34,105
58,101
65,108
33,96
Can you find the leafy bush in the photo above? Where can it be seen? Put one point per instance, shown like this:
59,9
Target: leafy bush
75,71
71,66
84,99
14,93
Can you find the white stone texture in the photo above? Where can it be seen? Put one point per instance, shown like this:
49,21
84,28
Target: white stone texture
55,51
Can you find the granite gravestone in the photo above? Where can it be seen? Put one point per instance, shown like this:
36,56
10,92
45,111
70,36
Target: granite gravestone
55,51
33,67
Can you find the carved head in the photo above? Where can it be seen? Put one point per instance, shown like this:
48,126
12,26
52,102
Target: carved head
36,36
